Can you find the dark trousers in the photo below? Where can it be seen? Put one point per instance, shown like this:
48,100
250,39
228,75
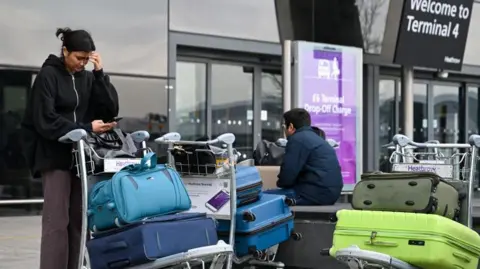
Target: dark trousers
61,220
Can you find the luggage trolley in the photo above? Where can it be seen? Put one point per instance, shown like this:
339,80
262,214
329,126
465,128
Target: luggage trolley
456,163
223,168
85,166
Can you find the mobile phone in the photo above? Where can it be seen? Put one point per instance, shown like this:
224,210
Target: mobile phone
218,201
116,119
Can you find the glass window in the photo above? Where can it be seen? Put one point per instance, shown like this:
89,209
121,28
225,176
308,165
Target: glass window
445,113
473,111
247,19
190,99
354,23
232,105
373,18
143,106
16,181
471,55
386,111
272,106
420,112
131,37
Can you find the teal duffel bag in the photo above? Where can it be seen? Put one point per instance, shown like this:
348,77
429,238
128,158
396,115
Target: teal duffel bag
136,192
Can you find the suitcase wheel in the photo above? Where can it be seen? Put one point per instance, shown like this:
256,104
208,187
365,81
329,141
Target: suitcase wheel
257,254
290,202
296,236
325,252
249,216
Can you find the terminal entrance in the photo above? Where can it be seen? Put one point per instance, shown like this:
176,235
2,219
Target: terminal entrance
443,111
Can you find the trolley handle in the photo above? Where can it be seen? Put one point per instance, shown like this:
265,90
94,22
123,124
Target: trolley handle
169,138
404,141
140,136
474,140
73,136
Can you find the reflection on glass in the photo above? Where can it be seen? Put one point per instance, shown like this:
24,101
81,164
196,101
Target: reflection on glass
373,17
221,18
473,111
190,99
232,105
143,106
272,107
420,124
471,55
387,120
445,113
16,181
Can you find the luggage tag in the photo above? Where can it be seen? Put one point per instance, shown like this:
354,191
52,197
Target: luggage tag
442,170
114,165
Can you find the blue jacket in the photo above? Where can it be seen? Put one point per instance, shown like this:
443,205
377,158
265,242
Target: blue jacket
310,166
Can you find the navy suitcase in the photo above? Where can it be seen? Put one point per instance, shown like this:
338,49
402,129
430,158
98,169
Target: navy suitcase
151,239
249,184
260,225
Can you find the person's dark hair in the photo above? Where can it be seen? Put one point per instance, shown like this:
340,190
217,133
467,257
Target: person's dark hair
298,117
75,40
319,132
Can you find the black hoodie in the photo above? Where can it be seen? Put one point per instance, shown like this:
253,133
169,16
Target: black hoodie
58,103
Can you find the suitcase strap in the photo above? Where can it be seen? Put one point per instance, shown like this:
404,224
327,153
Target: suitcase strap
402,175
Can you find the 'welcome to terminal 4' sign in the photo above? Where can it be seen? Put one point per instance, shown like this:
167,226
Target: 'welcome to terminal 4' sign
433,33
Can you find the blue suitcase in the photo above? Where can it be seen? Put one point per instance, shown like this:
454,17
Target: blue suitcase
249,184
260,225
146,241
136,192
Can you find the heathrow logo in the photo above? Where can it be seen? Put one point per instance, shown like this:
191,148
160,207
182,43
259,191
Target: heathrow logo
327,69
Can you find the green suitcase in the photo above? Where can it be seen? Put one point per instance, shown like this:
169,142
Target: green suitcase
423,240
421,192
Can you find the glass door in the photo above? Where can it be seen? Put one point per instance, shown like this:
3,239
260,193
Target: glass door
271,114
232,104
445,122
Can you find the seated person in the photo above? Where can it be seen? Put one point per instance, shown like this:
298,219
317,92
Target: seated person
319,132
310,172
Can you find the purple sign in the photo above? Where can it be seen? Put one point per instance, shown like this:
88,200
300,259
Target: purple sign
328,90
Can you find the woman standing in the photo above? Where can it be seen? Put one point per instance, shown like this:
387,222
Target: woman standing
65,97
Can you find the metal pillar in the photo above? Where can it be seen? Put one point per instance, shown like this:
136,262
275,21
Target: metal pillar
407,98
287,75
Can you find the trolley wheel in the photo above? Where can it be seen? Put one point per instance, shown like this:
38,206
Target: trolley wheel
325,252
249,216
296,236
290,201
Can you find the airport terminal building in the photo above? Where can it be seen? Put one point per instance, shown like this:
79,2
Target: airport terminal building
214,66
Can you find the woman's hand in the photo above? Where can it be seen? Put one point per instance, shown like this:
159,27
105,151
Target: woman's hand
98,126
96,60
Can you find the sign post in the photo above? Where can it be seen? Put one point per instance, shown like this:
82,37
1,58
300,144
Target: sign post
433,33
328,84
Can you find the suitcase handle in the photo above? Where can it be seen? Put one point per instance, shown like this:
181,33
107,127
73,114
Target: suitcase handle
461,257
381,243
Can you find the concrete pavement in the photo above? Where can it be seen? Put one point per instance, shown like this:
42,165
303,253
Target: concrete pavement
20,242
